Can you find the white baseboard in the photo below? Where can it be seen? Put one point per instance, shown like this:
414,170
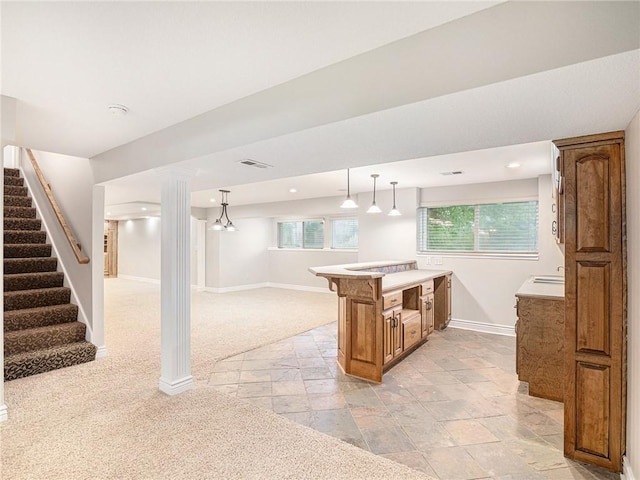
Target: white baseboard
102,352
627,473
176,387
4,413
237,288
303,288
140,279
482,327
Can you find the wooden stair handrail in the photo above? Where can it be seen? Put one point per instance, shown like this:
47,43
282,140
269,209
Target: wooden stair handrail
75,246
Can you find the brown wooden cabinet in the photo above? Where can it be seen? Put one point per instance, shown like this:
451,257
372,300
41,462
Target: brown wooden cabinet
595,297
379,323
540,345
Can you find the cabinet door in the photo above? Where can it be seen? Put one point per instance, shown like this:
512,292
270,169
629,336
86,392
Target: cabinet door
389,327
397,334
427,311
448,304
595,298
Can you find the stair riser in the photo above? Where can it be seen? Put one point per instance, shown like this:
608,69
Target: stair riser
34,318
27,251
13,283
30,265
17,191
36,298
11,172
33,363
22,224
15,181
13,201
19,212
36,339
25,236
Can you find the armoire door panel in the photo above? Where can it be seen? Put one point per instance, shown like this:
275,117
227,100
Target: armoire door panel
363,332
592,409
592,204
593,299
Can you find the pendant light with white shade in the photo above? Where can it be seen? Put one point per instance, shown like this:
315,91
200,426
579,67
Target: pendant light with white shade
394,211
348,203
374,208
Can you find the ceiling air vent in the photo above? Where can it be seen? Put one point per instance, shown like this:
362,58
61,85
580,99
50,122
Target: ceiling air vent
456,172
252,163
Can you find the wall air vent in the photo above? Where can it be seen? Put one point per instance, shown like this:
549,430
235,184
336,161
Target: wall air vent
455,172
252,163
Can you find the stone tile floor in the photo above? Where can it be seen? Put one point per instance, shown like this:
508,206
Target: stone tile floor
453,409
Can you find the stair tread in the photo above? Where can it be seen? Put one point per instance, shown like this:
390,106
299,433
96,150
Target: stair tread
37,338
66,346
14,282
25,318
44,360
30,265
36,290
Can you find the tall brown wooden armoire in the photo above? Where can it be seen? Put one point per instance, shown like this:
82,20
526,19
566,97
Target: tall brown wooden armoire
593,173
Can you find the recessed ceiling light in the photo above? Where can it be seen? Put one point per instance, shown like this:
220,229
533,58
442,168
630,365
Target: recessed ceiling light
293,190
117,110
513,165
108,213
144,209
212,200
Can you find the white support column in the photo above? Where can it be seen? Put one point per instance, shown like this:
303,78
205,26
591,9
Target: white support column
175,291
201,260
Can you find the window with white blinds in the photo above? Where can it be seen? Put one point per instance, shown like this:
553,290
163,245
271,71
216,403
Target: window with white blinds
504,228
307,234
344,233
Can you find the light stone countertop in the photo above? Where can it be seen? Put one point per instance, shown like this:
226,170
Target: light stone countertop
390,281
544,290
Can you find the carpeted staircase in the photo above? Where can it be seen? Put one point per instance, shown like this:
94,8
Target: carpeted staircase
41,331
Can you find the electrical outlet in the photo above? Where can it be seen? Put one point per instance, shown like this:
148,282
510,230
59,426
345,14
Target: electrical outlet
437,260
427,260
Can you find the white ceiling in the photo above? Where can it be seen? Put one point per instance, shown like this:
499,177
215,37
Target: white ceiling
170,61
401,89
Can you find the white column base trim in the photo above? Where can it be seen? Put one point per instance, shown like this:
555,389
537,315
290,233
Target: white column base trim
176,387
4,413
303,288
102,352
140,279
627,473
482,327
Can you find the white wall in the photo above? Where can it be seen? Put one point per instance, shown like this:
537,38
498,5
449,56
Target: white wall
240,258
483,288
632,142
139,248
382,237
291,267
71,180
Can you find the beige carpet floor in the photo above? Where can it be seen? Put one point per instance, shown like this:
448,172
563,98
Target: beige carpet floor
107,419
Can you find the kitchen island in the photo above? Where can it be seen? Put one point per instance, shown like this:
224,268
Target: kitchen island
386,310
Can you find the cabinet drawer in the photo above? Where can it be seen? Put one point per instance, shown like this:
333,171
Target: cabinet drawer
391,300
411,331
427,287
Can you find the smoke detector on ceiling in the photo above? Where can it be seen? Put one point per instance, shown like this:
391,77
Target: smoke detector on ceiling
117,110
455,172
253,163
